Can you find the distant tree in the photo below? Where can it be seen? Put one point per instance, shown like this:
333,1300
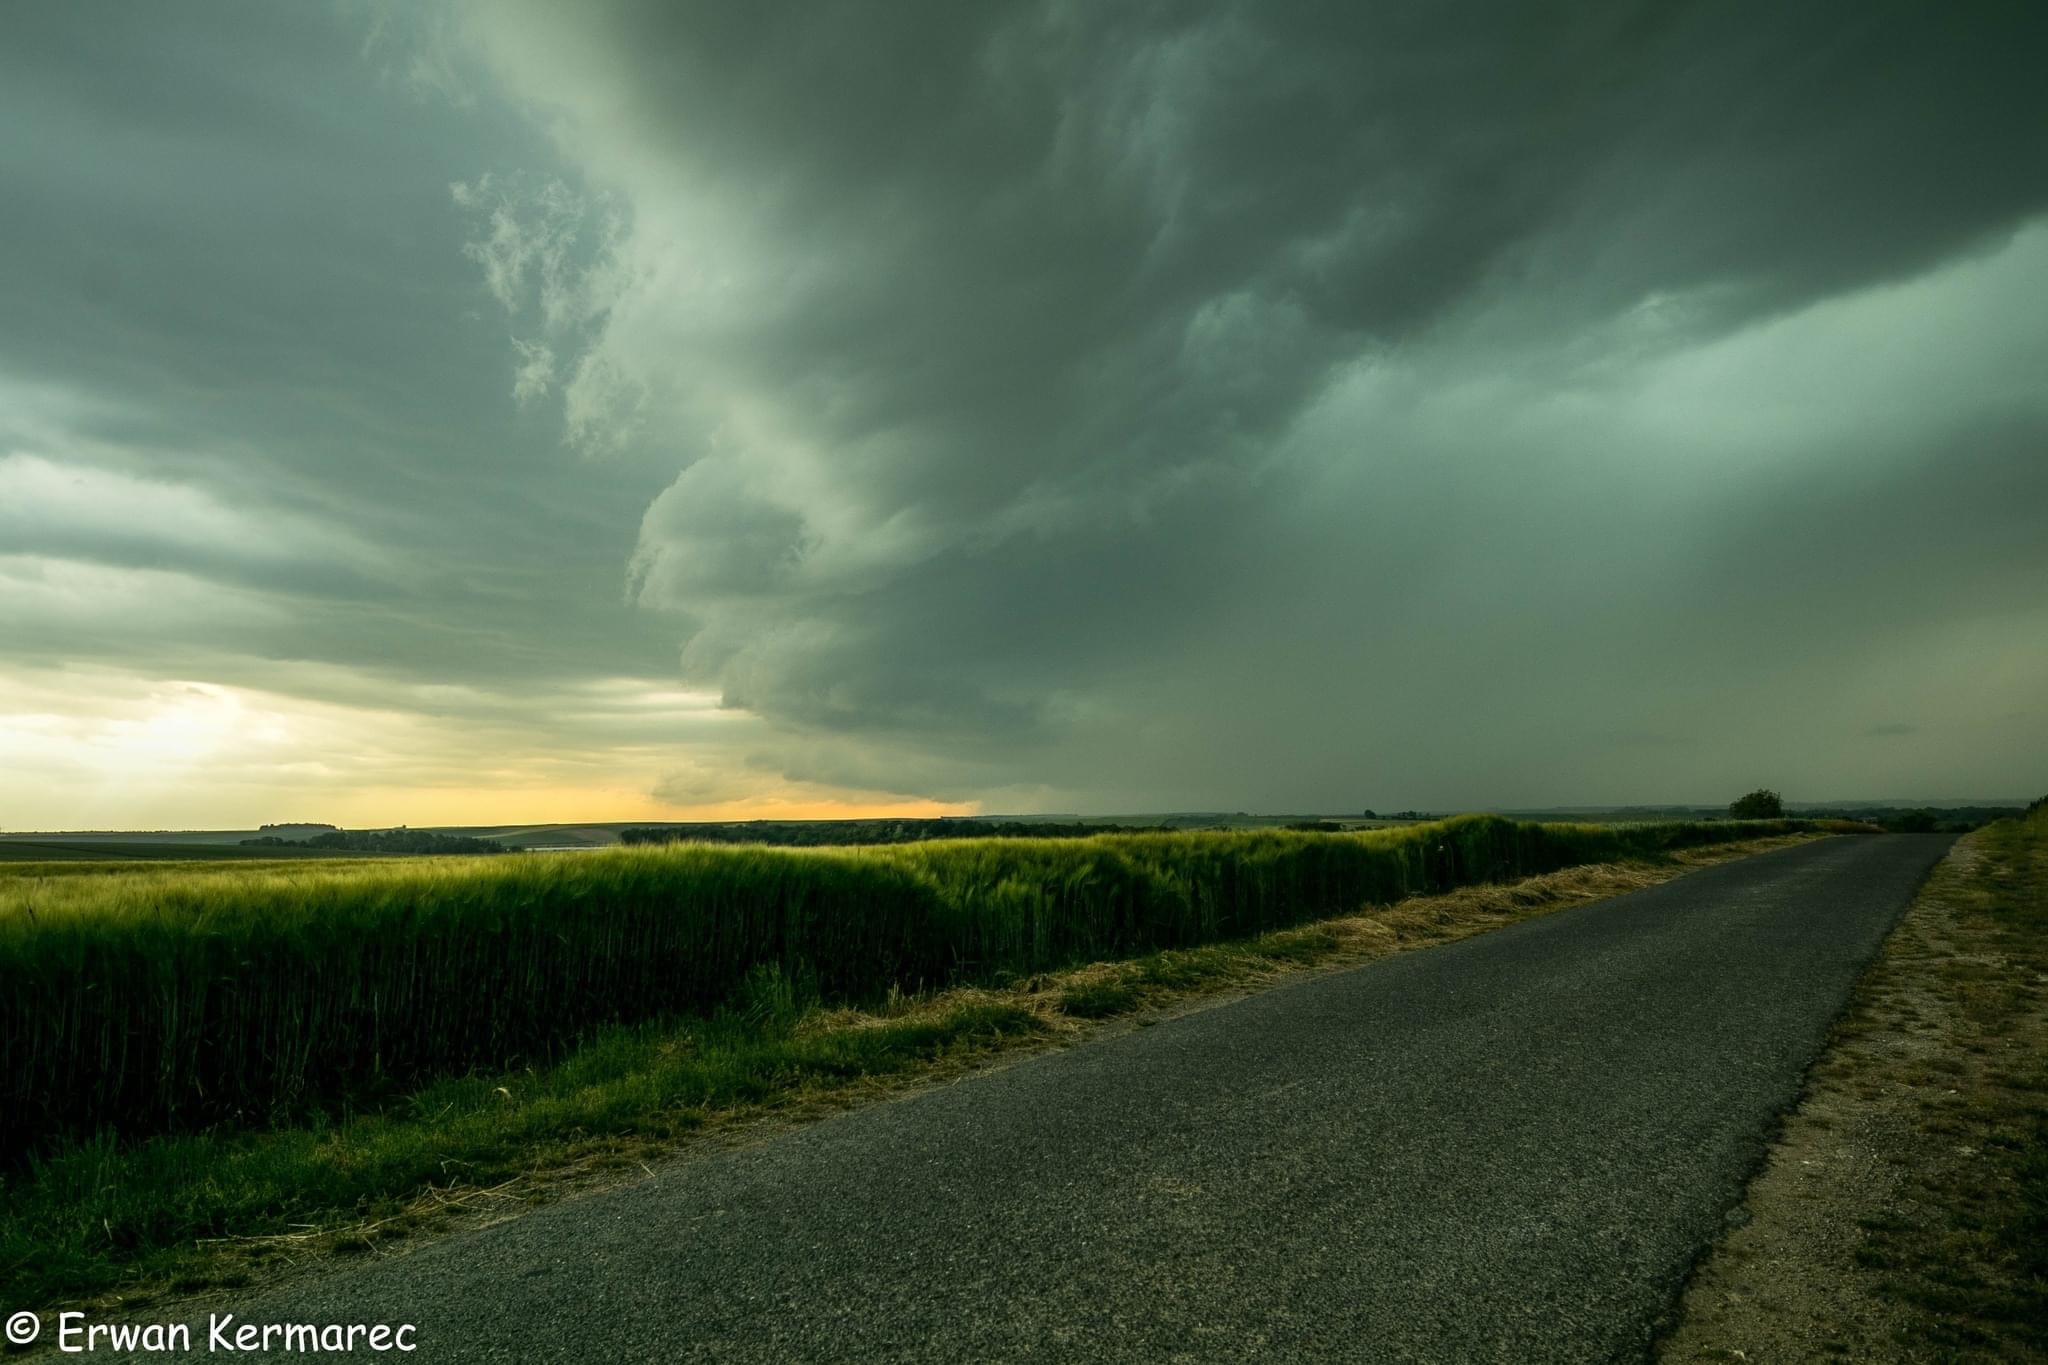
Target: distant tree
1761,804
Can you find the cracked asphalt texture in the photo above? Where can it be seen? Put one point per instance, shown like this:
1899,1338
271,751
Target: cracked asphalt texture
1510,1148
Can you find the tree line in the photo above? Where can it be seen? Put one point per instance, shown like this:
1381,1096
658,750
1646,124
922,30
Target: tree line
808,833
400,840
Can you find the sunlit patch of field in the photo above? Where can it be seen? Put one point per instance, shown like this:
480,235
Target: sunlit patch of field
543,836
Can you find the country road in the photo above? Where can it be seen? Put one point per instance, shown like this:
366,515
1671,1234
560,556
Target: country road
1507,1149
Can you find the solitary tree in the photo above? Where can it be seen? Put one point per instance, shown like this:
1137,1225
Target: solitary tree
1761,804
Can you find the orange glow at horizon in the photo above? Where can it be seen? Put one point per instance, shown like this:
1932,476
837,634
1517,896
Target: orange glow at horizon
104,750
607,806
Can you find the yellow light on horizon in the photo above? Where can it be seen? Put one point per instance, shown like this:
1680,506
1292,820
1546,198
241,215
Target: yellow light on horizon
104,750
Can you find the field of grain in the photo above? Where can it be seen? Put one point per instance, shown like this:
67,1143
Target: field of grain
151,1000
16,853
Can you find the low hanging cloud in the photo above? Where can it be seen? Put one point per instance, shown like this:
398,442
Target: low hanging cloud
75,511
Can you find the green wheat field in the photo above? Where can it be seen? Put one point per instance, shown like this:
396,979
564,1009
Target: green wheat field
155,1000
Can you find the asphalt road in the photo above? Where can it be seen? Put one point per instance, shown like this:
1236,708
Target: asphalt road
1511,1148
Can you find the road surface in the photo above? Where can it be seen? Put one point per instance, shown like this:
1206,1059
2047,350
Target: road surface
1510,1148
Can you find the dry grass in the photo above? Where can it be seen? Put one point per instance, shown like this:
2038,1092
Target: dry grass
1903,1213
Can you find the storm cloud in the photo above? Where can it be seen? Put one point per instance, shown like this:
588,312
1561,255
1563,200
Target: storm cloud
1075,406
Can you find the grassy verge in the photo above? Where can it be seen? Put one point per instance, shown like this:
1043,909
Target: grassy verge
117,1224
1903,1213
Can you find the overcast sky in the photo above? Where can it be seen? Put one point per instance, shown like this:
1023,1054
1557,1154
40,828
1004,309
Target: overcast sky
612,410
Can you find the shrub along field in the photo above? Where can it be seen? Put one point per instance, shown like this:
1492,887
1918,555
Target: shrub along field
142,1003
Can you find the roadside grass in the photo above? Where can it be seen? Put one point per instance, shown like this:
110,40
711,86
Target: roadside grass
188,1211
1973,1256
117,1225
1903,1213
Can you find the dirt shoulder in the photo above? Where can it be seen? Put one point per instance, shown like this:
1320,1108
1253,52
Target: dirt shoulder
1903,1213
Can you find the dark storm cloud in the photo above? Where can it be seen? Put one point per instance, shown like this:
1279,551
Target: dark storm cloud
1149,405
977,330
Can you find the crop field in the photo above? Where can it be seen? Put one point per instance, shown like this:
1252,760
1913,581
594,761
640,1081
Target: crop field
21,878
16,851
152,1000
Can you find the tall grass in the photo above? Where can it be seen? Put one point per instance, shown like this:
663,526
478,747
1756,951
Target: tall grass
144,1003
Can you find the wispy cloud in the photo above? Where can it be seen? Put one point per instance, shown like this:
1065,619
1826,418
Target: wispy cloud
73,509
551,254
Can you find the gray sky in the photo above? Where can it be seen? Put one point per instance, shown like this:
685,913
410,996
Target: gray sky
509,411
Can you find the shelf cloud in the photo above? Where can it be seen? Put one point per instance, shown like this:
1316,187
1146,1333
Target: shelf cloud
1077,407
